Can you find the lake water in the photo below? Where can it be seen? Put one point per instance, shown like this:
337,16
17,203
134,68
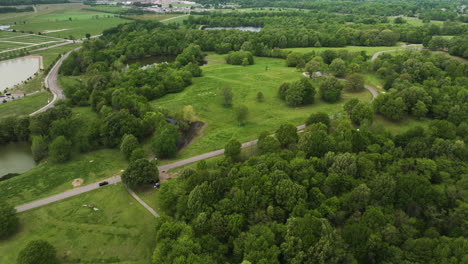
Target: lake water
253,29
15,71
15,158
146,61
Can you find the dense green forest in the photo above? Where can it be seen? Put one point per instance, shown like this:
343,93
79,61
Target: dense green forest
428,10
15,10
341,191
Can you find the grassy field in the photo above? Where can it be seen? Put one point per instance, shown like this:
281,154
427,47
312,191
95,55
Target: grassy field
122,231
24,106
369,50
63,21
398,127
14,40
246,82
48,179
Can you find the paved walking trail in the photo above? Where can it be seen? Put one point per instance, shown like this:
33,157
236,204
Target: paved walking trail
151,210
117,179
51,80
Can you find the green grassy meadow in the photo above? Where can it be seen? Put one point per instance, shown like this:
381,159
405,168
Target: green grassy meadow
246,82
24,106
15,40
122,231
48,179
63,21
398,127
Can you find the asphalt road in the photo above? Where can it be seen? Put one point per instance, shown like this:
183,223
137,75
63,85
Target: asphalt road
64,195
117,179
50,82
369,88
410,46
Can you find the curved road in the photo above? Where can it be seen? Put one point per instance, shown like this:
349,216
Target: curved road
50,82
369,88
410,46
52,79
117,179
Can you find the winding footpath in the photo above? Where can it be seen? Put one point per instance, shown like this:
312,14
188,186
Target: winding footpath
51,81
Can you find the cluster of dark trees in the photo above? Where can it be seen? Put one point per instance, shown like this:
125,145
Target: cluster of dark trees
300,92
15,10
333,194
30,2
457,46
423,84
426,10
240,58
308,29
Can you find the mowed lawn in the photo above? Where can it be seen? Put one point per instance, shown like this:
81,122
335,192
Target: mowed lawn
65,21
49,179
246,82
24,106
120,232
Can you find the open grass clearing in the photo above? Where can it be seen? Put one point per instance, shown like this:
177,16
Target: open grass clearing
246,82
48,178
24,106
28,41
398,127
374,81
63,21
122,231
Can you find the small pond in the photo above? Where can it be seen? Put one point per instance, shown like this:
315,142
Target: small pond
15,158
253,29
15,71
146,61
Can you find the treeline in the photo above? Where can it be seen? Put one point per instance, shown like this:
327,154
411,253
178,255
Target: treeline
308,29
436,10
120,97
422,84
333,194
457,46
15,10
30,2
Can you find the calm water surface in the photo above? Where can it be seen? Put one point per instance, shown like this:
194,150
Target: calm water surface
146,61
15,71
15,158
253,29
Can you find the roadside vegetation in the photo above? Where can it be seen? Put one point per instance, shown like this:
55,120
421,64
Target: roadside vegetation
376,176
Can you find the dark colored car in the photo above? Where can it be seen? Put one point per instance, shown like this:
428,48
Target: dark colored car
103,183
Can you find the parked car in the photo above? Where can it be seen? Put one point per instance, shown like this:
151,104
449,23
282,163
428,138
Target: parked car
103,183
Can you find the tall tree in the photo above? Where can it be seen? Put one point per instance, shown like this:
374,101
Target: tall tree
232,149
8,220
139,172
60,149
38,252
128,145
